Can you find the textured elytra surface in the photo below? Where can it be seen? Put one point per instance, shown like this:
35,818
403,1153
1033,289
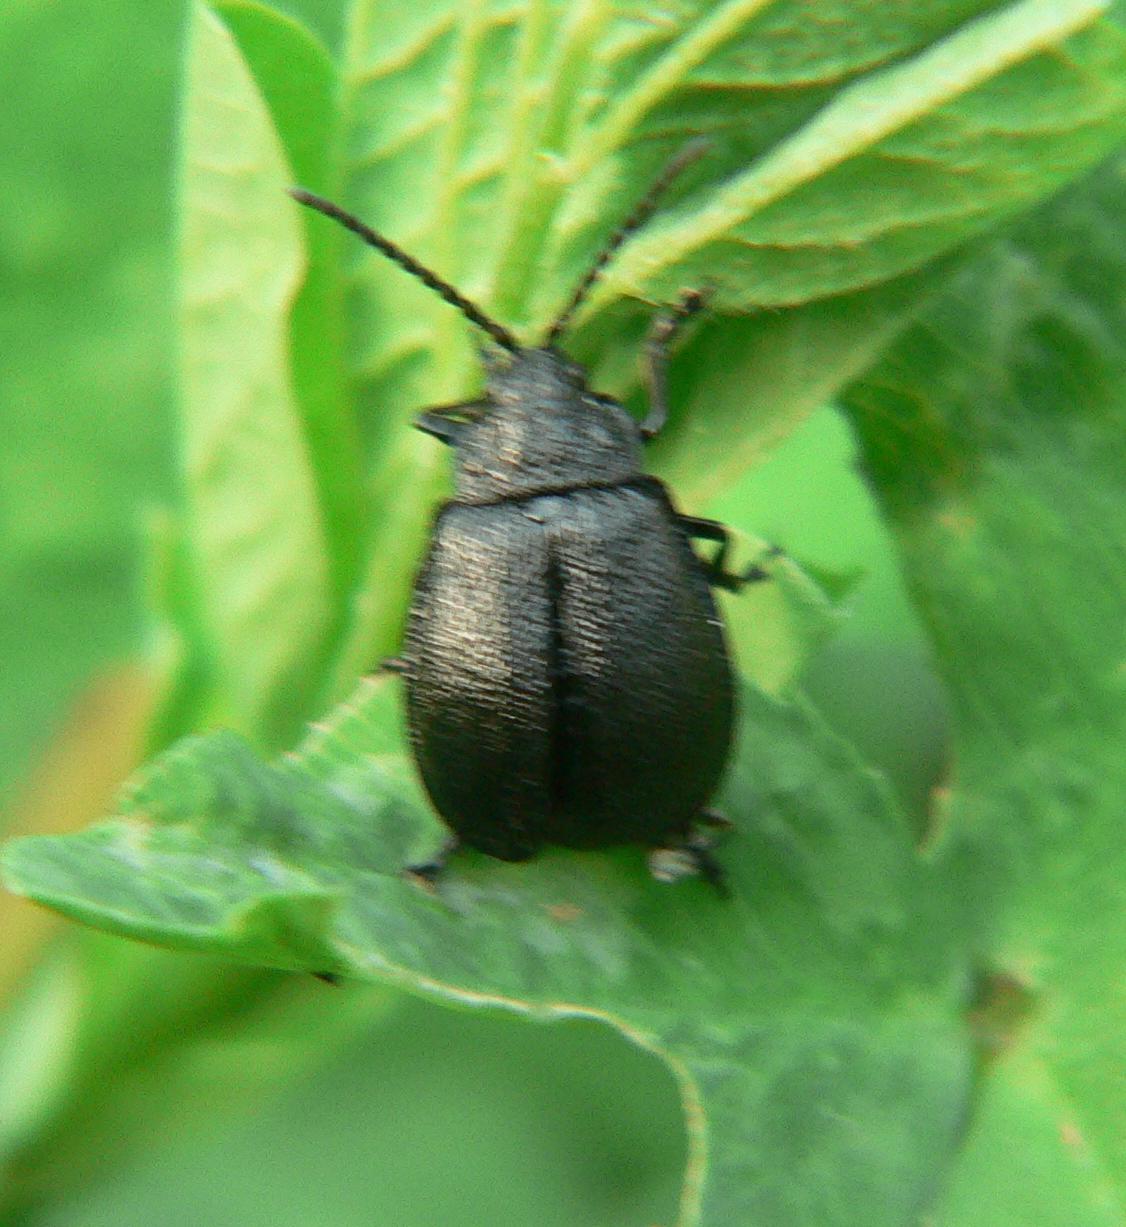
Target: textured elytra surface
567,677
823,1039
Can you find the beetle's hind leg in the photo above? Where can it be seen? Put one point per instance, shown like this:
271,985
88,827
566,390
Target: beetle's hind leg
716,566
691,855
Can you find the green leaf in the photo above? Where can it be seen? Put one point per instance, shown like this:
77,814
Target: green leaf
836,155
993,433
872,184
817,996
296,79
502,143
254,526
299,83
776,625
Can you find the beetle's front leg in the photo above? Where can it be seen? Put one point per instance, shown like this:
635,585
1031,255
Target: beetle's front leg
657,346
716,566
448,422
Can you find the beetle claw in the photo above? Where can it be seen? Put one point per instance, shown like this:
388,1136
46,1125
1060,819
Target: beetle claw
693,856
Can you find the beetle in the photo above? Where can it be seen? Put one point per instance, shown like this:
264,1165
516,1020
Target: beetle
567,676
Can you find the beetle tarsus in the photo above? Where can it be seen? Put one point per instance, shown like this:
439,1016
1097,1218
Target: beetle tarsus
426,876
688,860
716,566
393,664
691,856
710,828
643,210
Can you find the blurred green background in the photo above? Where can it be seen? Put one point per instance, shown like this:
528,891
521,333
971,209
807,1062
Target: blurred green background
383,1109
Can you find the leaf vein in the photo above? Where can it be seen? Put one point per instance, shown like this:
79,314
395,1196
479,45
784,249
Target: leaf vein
662,78
401,59
856,120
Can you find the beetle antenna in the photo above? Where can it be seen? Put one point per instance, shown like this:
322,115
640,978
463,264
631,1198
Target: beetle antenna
645,208
373,238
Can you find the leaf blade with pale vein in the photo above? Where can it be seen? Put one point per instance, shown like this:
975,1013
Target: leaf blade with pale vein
253,523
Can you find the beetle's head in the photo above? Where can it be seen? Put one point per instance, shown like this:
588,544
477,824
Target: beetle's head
544,429
534,374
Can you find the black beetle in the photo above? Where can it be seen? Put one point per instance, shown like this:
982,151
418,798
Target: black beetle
567,676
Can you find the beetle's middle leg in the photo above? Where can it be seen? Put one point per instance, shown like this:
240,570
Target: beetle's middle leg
716,566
